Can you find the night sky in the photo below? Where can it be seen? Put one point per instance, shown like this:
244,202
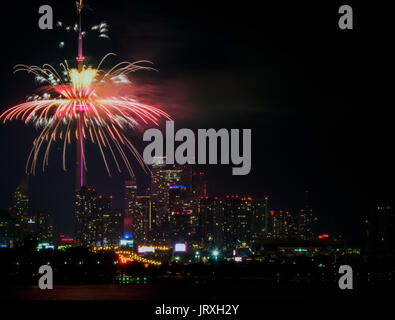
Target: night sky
318,99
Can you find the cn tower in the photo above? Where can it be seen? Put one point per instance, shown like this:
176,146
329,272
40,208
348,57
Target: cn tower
80,167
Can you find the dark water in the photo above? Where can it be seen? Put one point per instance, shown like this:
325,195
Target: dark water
251,290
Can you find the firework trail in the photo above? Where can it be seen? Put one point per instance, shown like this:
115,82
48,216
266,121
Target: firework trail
76,106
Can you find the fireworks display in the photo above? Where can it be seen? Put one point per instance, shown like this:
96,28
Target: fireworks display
84,104
75,106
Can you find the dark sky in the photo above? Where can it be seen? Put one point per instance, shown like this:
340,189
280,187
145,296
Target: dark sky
318,99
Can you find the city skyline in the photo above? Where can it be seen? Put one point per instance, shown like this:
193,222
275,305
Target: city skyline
295,145
148,216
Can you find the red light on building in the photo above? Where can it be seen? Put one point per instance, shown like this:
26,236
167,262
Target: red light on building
266,198
110,197
272,212
67,239
323,236
100,197
301,210
62,236
249,198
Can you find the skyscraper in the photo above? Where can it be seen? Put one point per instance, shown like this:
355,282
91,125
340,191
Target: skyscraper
108,223
45,230
183,214
163,176
237,217
130,194
260,227
199,184
143,221
285,225
85,217
306,220
210,226
25,224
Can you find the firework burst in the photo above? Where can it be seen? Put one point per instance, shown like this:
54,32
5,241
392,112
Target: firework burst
75,105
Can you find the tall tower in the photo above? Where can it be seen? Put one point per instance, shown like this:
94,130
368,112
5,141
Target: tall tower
80,161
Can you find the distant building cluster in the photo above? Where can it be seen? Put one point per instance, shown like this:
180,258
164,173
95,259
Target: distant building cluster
176,209
18,224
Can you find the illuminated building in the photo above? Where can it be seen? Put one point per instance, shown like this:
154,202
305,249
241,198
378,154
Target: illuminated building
285,225
85,217
237,216
45,228
231,222
163,176
210,229
20,211
183,216
143,221
19,224
306,221
130,193
108,223
260,227
7,229
186,177
199,184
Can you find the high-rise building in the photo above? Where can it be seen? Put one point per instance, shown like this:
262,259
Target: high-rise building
186,177
25,223
199,184
285,225
130,194
210,226
163,176
260,227
306,221
183,215
45,232
109,223
237,217
143,221
85,217
7,229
